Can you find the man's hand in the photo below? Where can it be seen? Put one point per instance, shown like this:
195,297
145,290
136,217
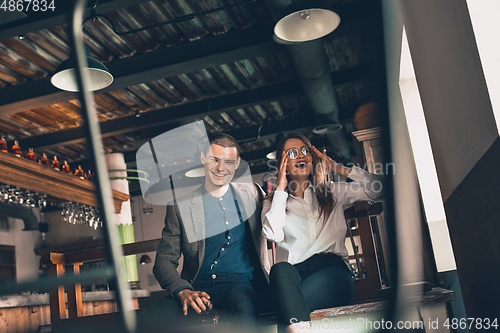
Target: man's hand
198,300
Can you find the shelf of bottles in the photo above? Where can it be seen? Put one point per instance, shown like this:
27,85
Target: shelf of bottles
25,180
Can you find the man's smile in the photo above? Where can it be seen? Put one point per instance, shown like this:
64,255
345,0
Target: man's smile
217,174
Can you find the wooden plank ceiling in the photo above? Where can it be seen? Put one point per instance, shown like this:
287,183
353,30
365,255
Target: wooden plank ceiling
223,68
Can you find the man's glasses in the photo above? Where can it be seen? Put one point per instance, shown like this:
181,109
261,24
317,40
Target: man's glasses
293,153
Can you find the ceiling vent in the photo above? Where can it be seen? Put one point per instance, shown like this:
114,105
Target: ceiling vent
327,129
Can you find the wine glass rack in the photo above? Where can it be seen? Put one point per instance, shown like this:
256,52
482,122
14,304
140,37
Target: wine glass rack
35,177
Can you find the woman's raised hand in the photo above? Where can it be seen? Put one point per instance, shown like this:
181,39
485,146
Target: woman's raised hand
332,165
282,181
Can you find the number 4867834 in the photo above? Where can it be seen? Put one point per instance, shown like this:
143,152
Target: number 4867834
27,5
477,323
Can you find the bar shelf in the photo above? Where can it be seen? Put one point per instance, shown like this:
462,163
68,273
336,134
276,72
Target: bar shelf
32,176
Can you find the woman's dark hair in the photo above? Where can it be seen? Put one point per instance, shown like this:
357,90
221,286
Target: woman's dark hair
318,177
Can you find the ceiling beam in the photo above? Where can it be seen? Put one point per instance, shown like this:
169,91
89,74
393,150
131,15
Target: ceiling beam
173,115
159,64
48,19
304,124
156,122
163,63
241,100
301,124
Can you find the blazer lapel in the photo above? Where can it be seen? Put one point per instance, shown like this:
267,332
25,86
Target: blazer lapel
197,214
191,210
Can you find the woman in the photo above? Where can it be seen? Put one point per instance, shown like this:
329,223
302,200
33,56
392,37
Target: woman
305,217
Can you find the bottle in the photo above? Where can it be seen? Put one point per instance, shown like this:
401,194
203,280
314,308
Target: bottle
16,150
89,176
44,160
66,168
55,164
31,155
3,144
80,173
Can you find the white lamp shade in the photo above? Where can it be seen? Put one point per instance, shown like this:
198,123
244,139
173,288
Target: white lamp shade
195,173
271,155
305,21
66,79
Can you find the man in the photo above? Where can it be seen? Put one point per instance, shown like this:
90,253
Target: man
218,230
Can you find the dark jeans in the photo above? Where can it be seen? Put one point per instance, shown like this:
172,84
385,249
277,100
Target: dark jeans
322,281
233,298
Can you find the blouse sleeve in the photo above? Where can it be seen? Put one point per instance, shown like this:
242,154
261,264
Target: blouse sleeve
273,217
366,186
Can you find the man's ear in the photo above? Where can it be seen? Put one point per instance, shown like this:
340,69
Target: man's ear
238,163
202,158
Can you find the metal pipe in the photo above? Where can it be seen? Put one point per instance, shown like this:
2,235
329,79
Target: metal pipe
111,237
20,212
311,63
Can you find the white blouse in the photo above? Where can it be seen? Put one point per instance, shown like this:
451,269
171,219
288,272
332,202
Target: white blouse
300,234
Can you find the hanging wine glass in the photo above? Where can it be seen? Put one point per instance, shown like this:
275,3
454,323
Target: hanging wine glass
5,192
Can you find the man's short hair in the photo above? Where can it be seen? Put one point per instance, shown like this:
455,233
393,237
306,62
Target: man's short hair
224,140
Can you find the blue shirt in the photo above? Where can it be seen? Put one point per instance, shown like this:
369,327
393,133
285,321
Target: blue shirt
227,250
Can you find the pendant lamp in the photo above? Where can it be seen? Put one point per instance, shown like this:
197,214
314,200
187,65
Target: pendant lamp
145,259
272,155
64,77
306,20
195,173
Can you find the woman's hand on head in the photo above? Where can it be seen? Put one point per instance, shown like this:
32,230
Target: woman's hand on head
282,181
332,165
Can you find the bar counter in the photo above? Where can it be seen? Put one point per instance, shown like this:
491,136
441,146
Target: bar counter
26,313
43,299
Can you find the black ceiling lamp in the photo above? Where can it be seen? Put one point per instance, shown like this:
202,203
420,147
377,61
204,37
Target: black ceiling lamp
98,75
64,77
145,259
272,154
305,20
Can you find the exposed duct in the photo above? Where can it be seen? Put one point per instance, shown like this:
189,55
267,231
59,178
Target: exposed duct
20,212
311,63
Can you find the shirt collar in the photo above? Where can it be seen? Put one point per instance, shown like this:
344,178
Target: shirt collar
309,188
206,195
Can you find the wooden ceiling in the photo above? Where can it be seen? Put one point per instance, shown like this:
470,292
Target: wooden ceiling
223,68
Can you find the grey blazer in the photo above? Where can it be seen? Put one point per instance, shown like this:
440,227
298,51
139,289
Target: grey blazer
184,233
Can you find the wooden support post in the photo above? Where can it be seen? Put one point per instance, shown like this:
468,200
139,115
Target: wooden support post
56,296
75,304
369,255
362,210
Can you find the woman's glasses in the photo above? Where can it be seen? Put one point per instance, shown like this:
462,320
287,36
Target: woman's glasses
293,153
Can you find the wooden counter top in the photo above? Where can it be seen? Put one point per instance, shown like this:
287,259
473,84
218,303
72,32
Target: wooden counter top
43,299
